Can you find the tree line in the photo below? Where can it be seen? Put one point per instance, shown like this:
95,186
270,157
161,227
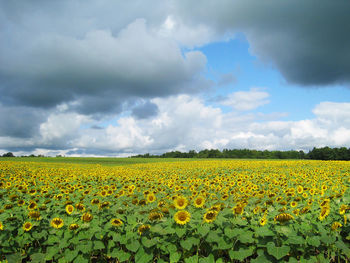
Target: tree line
324,153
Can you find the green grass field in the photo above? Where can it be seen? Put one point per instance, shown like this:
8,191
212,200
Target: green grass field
95,160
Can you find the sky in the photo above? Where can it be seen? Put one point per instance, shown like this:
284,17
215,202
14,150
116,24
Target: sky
119,78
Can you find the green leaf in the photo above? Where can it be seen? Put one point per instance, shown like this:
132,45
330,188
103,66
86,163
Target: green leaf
285,230
247,237
38,258
242,253
343,247
51,252
314,241
133,245
81,259
98,245
193,259
171,248
180,231
189,242
209,259
264,232
213,237
328,239
158,229
203,230
296,240
143,257
69,255
175,257
277,252
260,259
120,255
230,233
148,242
14,258
85,247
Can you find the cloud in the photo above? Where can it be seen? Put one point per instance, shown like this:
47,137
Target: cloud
305,40
97,71
246,100
145,110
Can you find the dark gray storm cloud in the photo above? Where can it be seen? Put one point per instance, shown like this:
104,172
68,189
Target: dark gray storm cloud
86,55
145,110
20,122
307,41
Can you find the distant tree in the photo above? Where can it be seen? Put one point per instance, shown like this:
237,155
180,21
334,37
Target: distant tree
9,154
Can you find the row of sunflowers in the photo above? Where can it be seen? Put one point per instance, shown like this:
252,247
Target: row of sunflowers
195,211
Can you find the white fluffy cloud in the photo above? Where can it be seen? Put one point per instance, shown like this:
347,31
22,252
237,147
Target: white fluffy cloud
185,123
247,100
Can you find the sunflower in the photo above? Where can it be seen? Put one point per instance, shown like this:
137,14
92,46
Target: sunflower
80,207
324,212
263,221
86,217
32,205
300,189
293,204
69,209
143,228
103,205
57,222
336,225
27,226
284,217
199,201
21,202
182,217
1,226
238,209
343,209
151,198
116,222
34,215
210,216
180,202
155,215
73,226
95,201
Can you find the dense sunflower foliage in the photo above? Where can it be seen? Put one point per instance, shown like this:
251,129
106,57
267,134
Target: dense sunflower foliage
198,211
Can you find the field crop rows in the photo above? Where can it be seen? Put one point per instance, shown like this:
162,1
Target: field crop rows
195,211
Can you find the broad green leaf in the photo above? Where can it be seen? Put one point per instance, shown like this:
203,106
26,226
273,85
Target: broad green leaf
133,245
174,257
264,231
230,233
260,259
142,256
314,241
120,255
213,237
343,247
81,259
148,242
295,240
247,237
209,259
69,255
98,245
242,253
38,258
180,231
189,242
14,258
171,248
277,252
193,259
203,230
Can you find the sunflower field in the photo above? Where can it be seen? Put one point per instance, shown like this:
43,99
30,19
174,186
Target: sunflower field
193,211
